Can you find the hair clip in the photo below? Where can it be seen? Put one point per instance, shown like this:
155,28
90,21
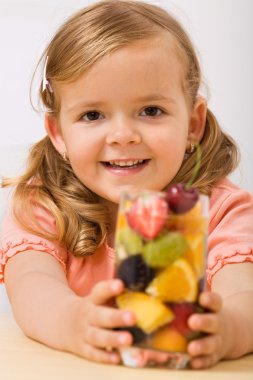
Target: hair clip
45,81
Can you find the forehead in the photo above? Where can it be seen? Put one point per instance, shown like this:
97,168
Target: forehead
153,63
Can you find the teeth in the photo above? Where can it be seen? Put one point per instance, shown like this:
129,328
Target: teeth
126,163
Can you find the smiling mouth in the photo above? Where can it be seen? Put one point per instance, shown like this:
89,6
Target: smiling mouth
128,164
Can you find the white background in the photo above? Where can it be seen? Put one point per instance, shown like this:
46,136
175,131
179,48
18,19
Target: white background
221,30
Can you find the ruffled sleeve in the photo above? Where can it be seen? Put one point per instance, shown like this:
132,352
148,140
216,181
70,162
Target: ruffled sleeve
231,228
13,239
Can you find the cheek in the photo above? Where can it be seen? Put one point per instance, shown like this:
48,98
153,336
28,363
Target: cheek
83,162
171,143
80,147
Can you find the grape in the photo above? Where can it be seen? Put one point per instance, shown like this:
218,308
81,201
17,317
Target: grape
130,240
181,199
163,251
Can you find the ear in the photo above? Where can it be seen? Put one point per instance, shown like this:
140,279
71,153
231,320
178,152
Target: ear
54,133
197,121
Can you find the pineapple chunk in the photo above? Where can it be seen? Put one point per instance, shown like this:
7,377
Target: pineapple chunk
150,312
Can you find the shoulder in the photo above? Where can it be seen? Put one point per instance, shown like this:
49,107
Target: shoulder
15,239
228,199
227,189
230,238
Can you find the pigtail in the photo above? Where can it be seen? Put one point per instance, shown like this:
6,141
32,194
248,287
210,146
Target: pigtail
49,182
220,157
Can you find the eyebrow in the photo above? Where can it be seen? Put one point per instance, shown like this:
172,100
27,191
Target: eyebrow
151,97
147,98
84,104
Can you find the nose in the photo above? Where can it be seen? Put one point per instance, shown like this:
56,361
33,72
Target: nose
123,131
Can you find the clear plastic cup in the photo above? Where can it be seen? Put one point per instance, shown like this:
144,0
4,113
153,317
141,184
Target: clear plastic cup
161,258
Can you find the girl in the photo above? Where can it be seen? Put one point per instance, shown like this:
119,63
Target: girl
121,88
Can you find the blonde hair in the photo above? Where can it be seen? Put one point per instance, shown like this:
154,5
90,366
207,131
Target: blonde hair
50,181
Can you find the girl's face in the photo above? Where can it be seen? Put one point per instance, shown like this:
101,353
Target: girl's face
125,123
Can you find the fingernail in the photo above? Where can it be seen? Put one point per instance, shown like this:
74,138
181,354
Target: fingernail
115,286
128,318
195,321
123,339
205,299
114,358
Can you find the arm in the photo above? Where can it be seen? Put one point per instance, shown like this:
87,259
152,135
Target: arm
231,324
234,282
49,311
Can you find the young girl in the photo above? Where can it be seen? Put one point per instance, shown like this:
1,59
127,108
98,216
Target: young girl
121,88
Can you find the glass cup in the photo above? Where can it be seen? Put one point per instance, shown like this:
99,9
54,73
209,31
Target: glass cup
161,258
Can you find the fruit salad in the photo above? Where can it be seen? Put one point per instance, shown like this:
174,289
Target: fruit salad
160,256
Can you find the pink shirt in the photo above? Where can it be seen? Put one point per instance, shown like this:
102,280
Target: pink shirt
230,240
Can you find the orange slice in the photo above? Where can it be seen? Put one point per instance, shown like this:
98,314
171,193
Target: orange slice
150,313
168,339
121,221
176,283
195,253
189,222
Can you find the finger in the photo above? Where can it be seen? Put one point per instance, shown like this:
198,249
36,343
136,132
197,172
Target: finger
211,301
202,362
98,355
109,317
105,290
209,345
103,338
208,322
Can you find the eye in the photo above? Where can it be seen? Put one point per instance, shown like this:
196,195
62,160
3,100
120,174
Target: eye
91,116
152,111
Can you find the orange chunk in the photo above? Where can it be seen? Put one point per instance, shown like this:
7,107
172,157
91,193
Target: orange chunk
196,253
189,222
121,221
176,283
168,339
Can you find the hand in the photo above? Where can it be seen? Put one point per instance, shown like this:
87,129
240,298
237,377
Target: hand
94,320
208,350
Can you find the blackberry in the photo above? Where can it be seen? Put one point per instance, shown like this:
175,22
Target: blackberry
135,273
137,333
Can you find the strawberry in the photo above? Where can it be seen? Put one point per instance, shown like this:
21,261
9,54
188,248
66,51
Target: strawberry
148,215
